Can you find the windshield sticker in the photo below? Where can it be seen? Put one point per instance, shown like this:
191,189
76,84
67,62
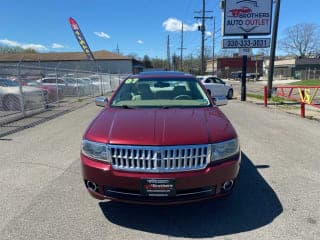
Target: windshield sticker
131,80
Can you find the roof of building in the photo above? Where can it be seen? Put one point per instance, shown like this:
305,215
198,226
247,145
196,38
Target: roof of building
60,56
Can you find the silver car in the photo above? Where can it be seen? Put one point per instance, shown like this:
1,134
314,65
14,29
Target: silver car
11,98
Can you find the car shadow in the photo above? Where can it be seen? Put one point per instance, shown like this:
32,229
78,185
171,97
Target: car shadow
252,205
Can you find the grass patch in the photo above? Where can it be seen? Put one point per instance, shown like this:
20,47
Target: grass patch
257,96
261,97
306,83
277,99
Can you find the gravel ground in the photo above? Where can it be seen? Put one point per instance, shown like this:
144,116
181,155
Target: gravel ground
277,195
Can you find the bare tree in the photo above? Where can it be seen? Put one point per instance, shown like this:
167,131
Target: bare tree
7,49
263,51
301,39
226,52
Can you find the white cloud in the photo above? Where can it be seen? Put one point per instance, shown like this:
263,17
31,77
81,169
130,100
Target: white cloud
56,45
175,25
102,35
10,43
140,42
209,34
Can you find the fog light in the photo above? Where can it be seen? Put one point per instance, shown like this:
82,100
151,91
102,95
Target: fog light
92,186
227,186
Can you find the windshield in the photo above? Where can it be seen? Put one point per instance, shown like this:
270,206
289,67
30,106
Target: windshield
8,83
160,92
71,81
32,83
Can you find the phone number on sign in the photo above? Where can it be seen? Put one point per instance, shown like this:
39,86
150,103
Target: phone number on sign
246,43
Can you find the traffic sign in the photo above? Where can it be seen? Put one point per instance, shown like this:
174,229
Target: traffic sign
246,43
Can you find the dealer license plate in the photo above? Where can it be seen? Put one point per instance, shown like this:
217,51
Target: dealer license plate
158,187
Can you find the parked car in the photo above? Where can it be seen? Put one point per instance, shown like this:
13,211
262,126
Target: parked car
216,86
68,86
10,96
52,93
86,85
160,139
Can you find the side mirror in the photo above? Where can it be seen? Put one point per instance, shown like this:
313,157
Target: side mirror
101,101
220,101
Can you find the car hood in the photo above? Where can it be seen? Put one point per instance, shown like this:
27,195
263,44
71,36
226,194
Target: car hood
162,127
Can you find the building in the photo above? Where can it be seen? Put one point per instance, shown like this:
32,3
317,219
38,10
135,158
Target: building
229,67
209,66
298,68
105,62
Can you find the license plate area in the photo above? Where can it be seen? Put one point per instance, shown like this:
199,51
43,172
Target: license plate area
158,187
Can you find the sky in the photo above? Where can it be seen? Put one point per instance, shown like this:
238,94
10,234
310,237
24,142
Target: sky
138,27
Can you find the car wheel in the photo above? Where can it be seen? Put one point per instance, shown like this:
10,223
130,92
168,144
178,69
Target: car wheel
11,103
230,94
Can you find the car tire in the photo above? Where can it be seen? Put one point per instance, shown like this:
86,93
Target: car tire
230,94
11,103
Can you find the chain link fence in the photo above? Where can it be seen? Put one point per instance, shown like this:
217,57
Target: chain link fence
308,74
28,90
304,74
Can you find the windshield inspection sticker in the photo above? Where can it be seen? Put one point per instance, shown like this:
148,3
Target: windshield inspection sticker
131,80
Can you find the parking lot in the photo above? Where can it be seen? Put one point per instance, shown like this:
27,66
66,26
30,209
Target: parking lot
276,197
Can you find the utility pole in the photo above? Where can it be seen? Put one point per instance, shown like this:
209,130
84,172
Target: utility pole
273,47
203,32
174,61
191,63
181,49
244,75
213,43
118,50
168,54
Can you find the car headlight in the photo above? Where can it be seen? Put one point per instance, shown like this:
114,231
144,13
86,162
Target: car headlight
95,150
224,150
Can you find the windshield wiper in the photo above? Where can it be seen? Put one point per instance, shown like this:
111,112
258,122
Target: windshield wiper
165,107
125,107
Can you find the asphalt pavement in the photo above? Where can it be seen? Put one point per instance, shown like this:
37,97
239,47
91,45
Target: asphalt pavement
276,197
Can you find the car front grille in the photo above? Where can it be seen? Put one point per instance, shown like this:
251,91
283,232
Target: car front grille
159,159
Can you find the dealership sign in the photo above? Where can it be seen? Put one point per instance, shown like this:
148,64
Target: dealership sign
247,17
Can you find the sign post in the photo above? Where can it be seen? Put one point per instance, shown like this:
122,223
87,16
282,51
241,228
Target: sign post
244,76
246,18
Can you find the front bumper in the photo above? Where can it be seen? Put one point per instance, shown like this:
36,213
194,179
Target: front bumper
190,186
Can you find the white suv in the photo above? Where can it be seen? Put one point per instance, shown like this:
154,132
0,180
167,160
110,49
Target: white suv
216,86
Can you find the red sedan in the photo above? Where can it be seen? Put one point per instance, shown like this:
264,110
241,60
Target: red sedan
160,140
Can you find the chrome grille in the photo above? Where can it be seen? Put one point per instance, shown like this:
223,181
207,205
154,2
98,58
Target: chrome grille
159,159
